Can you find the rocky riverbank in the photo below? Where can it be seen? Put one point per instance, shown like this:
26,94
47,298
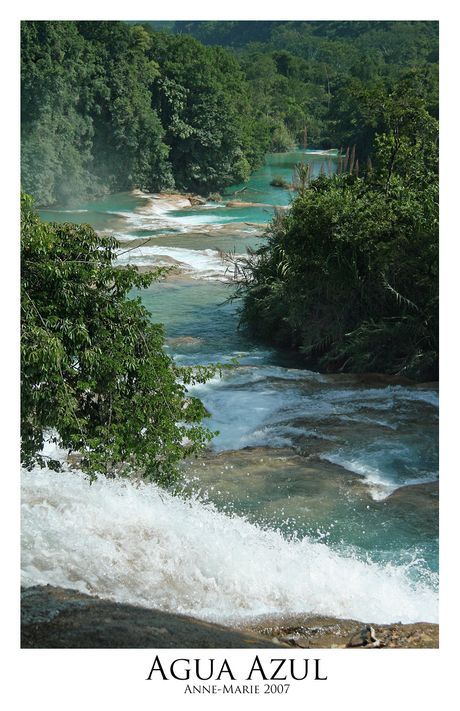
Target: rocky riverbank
54,617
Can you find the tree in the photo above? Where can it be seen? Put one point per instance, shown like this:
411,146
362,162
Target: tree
94,376
56,131
201,100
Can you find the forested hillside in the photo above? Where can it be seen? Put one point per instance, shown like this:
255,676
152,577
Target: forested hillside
300,73
108,106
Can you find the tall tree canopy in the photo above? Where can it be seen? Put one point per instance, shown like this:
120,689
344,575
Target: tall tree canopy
106,107
317,65
94,376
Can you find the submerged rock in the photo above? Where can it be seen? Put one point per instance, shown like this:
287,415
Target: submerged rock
238,203
188,341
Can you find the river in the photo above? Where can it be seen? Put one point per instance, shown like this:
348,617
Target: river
319,495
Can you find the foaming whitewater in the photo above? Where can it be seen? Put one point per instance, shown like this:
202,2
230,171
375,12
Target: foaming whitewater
376,433
136,543
197,264
176,214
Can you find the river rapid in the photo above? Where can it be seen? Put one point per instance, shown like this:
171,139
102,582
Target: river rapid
319,495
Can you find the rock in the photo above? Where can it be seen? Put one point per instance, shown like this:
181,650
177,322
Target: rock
53,617
197,200
322,632
56,618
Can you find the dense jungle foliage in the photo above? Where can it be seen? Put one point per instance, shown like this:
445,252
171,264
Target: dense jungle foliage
302,74
107,106
349,275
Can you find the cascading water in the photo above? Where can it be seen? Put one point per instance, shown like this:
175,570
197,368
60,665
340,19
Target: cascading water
318,496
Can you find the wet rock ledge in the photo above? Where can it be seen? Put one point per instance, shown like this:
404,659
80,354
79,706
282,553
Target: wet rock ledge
54,617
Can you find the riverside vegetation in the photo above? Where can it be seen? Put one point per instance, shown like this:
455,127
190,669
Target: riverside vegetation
93,370
349,275
107,107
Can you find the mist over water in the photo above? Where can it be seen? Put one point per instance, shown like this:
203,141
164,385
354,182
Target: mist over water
319,495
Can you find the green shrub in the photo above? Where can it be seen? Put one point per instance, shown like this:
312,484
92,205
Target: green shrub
279,182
